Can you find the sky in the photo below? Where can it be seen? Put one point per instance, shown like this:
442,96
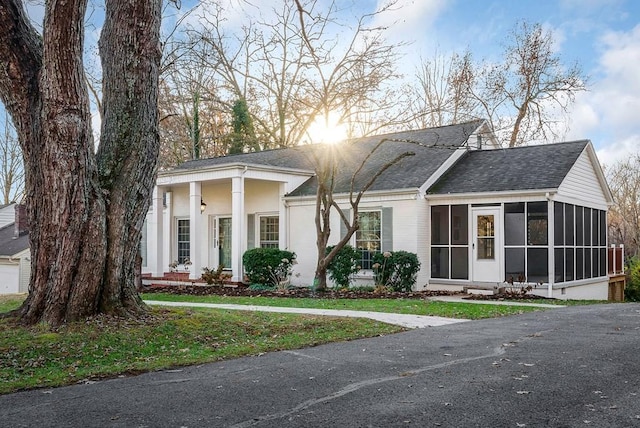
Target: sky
602,36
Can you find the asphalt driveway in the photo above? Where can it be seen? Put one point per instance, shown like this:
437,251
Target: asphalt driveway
570,367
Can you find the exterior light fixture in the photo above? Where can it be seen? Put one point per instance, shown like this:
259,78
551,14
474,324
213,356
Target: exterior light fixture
203,206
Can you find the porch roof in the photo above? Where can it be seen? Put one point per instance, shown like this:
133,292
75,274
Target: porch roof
519,168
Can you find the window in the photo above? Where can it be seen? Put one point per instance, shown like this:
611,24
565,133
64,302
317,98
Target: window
269,231
486,237
184,240
369,237
584,244
450,241
526,241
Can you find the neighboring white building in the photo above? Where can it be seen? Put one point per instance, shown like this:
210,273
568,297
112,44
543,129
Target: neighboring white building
15,260
476,215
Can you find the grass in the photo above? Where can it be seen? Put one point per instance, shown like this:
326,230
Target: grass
32,357
102,347
399,306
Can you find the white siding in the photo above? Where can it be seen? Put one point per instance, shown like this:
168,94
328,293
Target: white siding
408,217
7,215
581,186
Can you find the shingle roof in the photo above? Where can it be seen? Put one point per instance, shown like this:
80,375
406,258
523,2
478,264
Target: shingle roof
430,148
10,246
519,168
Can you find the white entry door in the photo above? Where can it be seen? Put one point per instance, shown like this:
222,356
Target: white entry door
486,244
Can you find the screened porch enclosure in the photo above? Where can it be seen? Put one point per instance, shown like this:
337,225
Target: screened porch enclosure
541,242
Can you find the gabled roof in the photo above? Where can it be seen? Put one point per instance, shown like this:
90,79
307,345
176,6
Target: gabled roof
434,146
430,148
10,246
519,168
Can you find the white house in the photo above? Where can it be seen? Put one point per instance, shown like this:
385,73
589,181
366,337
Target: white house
475,214
15,261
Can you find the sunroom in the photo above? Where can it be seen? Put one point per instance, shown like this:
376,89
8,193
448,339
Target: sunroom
494,223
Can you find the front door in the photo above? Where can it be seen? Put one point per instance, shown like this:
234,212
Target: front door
485,245
222,242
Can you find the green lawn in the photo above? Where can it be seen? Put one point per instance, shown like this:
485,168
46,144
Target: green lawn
400,306
106,347
37,356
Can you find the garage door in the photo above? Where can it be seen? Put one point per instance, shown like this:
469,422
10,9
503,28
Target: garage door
9,278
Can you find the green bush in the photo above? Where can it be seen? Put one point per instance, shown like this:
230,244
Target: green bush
632,287
343,265
268,266
397,270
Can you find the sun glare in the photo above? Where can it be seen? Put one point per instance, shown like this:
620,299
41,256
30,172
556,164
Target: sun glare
327,129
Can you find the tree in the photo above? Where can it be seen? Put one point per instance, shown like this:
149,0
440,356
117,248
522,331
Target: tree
530,83
194,122
300,64
520,95
624,216
327,164
441,96
85,208
243,136
11,169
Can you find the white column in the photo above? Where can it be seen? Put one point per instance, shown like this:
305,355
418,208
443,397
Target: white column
283,220
551,220
156,235
237,226
167,227
195,229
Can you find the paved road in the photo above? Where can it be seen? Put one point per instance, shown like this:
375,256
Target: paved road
571,367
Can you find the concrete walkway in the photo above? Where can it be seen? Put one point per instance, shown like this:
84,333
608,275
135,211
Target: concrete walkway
404,320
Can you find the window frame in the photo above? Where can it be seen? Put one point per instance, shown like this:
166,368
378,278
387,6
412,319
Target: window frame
366,255
187,243
268,243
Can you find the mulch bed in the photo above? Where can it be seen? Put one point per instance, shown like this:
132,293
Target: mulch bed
199,290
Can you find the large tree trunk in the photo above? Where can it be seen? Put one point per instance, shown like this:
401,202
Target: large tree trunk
85,211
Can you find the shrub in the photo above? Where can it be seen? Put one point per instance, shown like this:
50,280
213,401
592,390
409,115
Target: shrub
397,270
268,266
632,287
215,277
343,265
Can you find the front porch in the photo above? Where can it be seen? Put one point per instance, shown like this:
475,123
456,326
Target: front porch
207,218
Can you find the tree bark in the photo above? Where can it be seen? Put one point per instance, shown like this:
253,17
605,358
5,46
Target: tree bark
85,211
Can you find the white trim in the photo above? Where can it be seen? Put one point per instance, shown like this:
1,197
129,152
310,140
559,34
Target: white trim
174,238
493,195
256,226
369,196
443,168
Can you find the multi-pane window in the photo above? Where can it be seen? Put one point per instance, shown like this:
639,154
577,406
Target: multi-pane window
450,241
580,242
369,237
184,240
269,231
526,241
